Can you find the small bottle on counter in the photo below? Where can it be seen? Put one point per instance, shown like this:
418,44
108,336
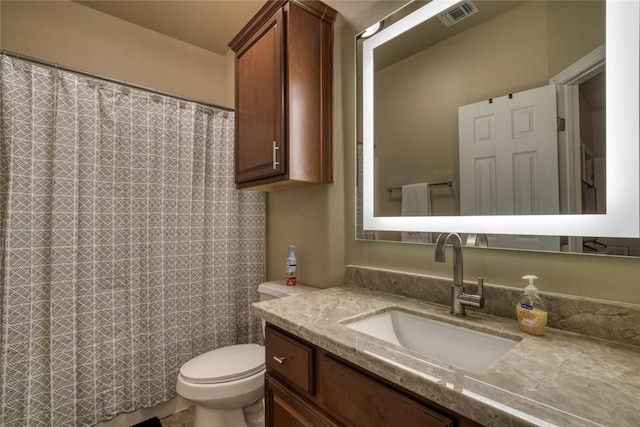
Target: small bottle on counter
531,312
290,275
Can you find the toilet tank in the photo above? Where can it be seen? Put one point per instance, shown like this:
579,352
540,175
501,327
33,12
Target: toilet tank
278,289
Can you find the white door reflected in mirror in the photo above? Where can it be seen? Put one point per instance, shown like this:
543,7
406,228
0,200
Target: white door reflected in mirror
509,161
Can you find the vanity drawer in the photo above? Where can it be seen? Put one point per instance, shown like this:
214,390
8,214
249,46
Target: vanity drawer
292,360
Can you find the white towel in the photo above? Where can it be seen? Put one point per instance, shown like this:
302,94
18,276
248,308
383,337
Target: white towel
416,201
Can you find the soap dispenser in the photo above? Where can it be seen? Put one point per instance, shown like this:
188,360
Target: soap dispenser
531,312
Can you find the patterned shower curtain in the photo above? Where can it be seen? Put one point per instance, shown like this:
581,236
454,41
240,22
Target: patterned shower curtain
124,248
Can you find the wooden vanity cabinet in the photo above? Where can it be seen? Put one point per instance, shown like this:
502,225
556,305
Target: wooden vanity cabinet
283,96
308,386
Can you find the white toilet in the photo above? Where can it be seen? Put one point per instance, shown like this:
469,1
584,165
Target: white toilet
227,384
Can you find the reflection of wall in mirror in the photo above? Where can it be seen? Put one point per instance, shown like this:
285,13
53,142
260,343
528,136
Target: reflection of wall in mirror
416,123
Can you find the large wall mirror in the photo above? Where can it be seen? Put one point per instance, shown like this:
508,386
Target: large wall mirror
514,120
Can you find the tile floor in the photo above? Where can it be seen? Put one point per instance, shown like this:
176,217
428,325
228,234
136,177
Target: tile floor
183,418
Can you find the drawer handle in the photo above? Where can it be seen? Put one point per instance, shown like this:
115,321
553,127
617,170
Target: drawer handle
275,155
280,360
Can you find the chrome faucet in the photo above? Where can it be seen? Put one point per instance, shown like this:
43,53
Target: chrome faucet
458,298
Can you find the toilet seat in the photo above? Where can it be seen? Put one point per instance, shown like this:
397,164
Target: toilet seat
224,364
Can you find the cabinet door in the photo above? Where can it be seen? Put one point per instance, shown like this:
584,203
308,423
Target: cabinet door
259,143
285,408
358,400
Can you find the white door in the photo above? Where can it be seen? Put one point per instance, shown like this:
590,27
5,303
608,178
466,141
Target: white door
509,161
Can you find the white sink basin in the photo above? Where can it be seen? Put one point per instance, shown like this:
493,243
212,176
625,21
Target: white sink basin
468,349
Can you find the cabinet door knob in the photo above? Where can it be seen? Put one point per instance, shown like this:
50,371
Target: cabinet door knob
280,360
275,155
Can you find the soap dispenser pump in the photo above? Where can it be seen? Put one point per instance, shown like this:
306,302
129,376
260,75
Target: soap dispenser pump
530,310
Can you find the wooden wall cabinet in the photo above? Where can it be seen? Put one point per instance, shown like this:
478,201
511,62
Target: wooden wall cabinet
283,96
308,386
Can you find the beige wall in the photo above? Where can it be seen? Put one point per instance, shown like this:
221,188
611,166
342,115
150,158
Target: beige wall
70,34
229,75
566,37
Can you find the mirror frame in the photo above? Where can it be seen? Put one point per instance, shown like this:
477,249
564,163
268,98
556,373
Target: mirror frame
622,159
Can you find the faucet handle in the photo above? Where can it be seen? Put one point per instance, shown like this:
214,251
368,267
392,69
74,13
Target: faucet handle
472,300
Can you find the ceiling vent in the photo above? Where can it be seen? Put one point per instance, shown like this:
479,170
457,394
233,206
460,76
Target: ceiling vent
458,12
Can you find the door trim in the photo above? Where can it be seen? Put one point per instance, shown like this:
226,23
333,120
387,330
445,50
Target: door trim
567,82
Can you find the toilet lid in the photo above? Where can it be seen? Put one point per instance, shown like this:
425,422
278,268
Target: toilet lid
224,364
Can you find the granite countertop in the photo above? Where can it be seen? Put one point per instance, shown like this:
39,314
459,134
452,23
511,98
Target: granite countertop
561,378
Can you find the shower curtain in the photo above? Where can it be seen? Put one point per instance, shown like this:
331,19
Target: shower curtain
125,248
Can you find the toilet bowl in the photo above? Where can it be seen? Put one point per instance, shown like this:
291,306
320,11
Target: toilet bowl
226,385
222,382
